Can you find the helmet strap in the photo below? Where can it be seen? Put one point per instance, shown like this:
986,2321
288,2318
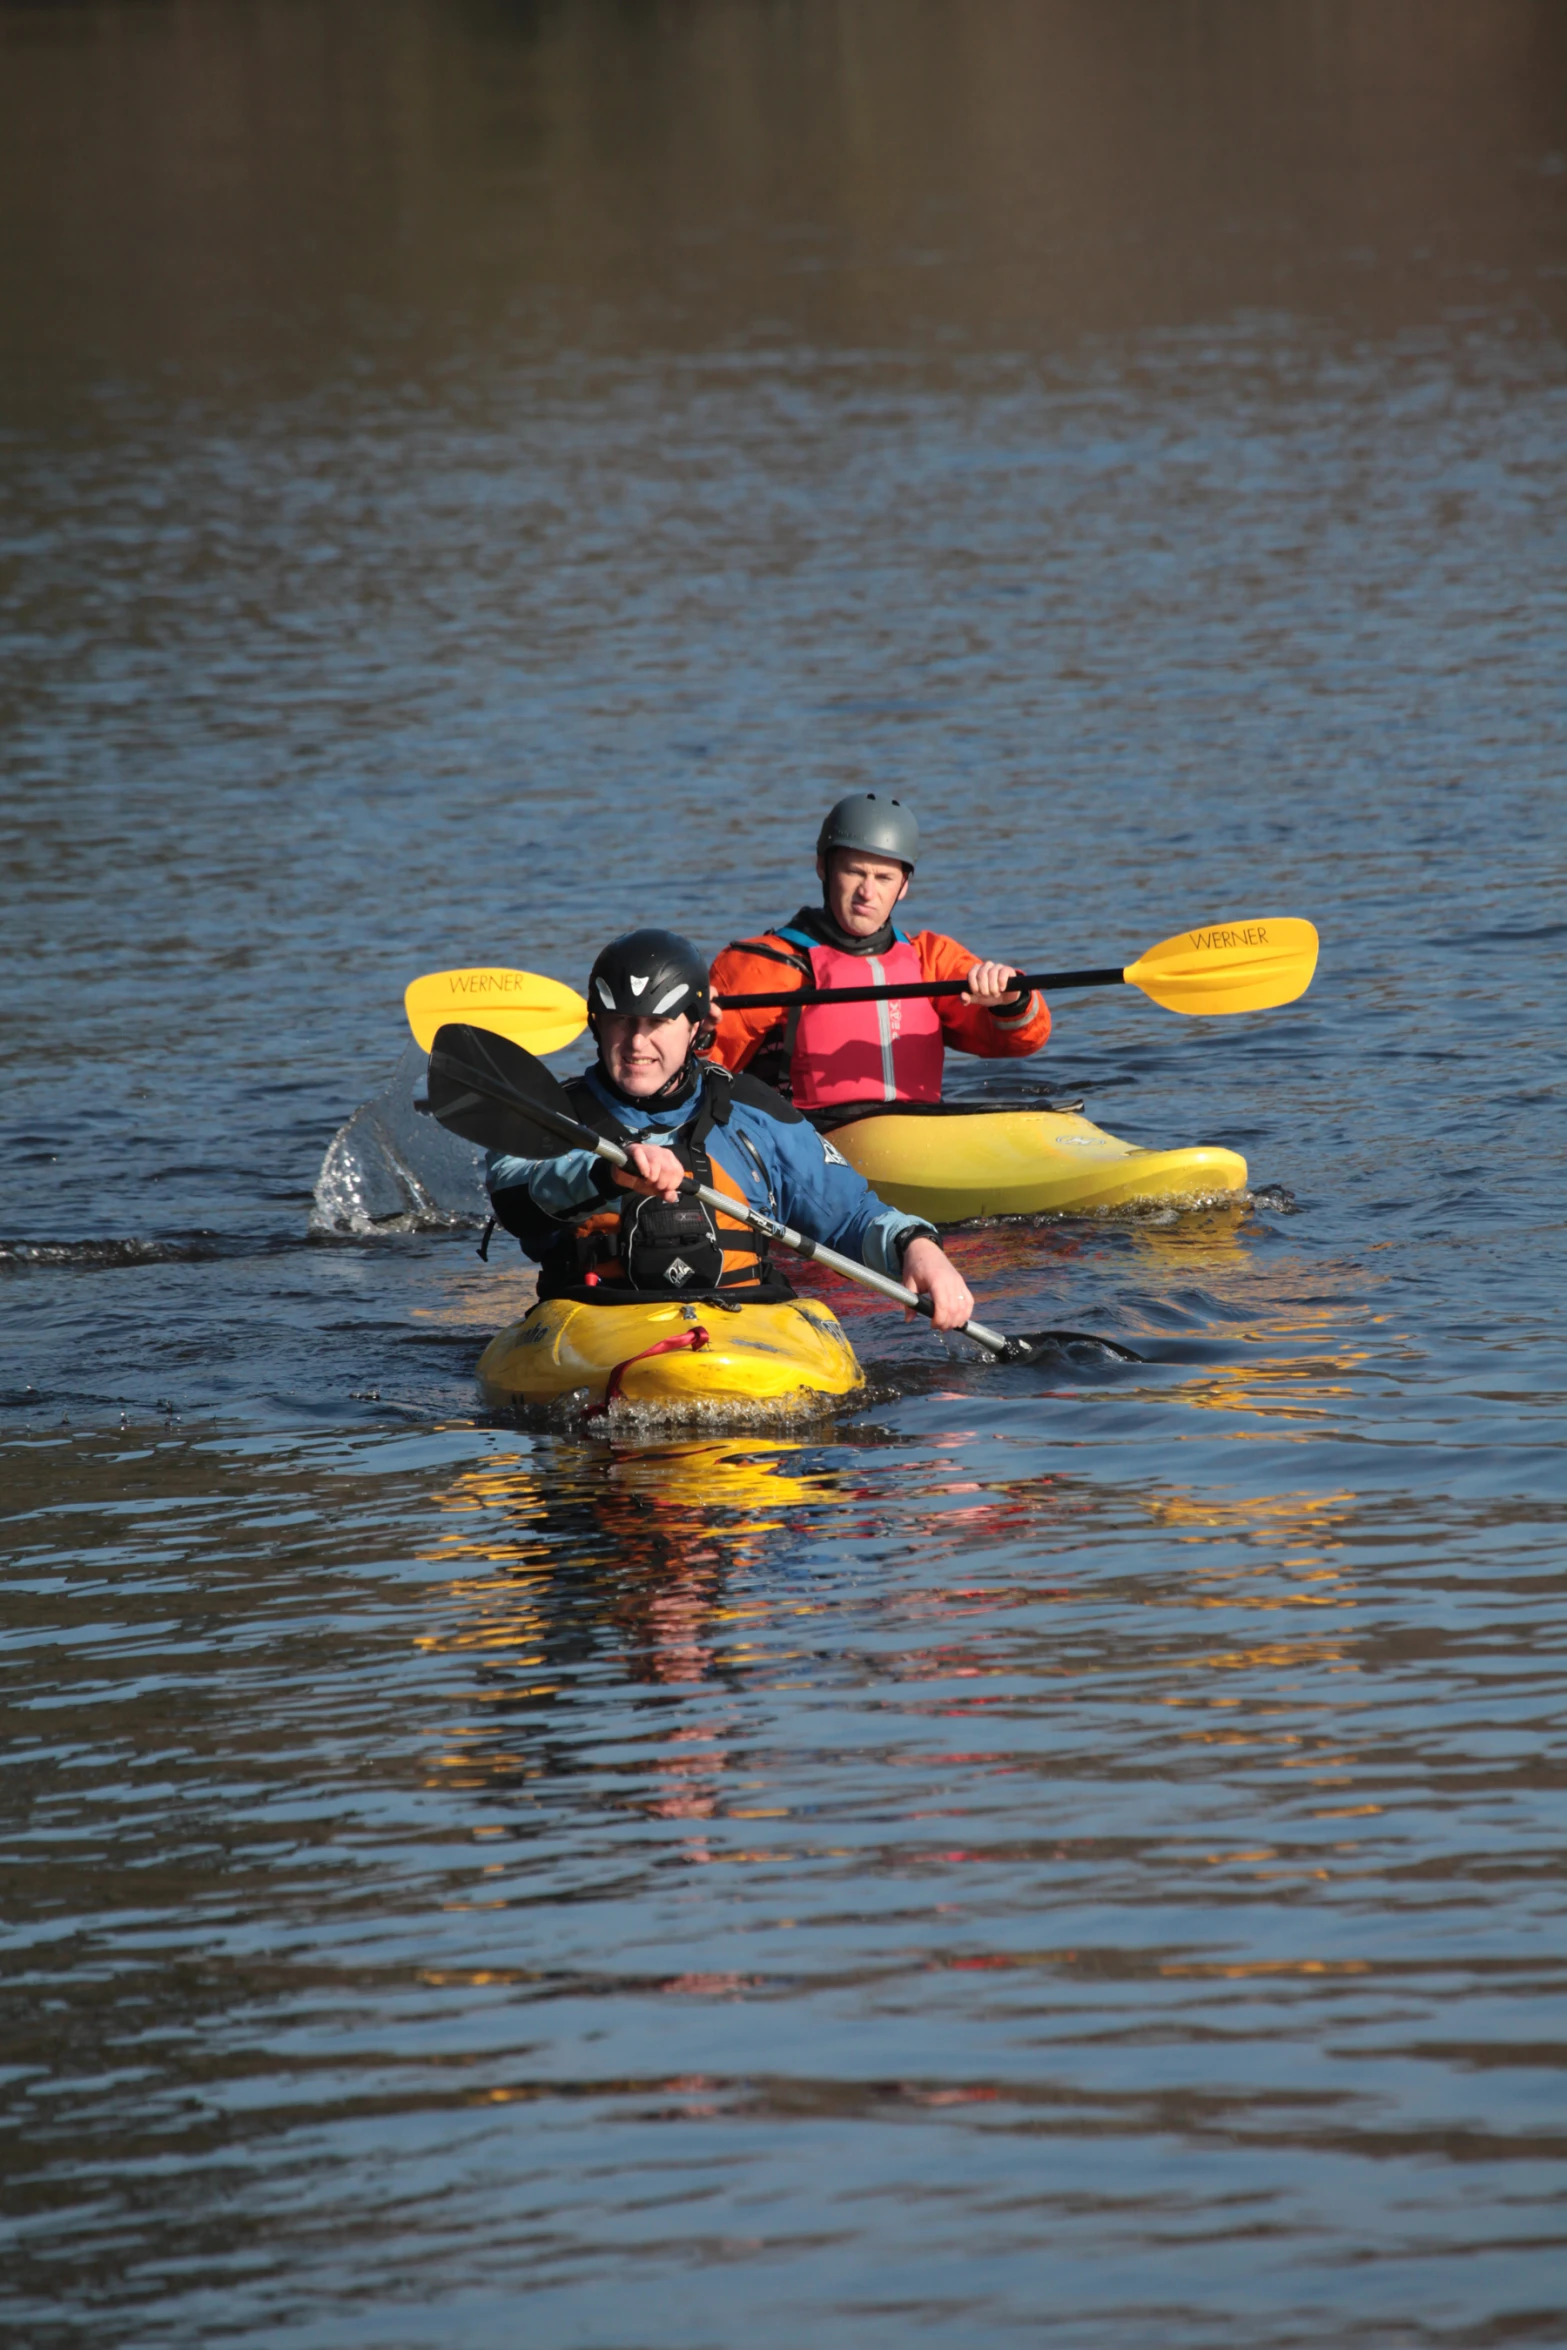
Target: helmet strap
670,1094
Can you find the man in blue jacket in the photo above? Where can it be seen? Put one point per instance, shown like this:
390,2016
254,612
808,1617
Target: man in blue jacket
606,1235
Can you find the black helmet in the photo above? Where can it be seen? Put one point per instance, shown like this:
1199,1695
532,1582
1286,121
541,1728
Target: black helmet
881,827
653,974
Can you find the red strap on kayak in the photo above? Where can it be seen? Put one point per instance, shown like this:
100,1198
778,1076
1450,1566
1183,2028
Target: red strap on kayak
695,1339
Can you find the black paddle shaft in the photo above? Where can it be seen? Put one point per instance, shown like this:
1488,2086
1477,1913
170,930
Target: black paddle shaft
1110,976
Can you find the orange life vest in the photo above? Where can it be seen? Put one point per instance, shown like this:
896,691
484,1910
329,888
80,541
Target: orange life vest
672,1250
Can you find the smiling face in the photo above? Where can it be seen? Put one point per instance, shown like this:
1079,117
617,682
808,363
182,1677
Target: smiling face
860,889
641,1055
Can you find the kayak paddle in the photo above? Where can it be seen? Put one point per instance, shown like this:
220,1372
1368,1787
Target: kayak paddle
1229,967
1233,967
493,1092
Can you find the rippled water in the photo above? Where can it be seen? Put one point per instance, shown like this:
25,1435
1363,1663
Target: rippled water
1070,1855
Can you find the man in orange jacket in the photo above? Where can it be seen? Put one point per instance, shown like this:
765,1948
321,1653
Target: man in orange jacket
824,1055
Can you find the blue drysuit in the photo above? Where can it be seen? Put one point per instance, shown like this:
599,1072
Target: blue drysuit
779,1162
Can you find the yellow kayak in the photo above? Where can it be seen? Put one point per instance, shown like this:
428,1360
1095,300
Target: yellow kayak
672,1359
951,1164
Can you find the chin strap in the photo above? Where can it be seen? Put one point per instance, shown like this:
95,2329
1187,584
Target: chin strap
669,1095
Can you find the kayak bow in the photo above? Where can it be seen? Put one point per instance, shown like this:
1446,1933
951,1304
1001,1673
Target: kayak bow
777,1358
951,1163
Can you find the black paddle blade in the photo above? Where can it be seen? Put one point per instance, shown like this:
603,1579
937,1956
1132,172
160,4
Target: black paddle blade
1049,1342
492,1092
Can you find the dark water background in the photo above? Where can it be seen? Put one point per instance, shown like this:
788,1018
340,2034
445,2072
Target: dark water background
1071,1859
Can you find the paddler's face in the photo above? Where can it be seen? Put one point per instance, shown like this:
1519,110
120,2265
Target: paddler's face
861,890
641,1055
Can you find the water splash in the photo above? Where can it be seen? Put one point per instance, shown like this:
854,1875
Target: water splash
720,1414
390,1169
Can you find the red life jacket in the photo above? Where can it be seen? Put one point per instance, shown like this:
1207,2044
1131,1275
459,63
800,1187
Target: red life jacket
866,1052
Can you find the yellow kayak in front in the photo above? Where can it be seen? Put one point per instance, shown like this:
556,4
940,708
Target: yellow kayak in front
951,1164
673,1359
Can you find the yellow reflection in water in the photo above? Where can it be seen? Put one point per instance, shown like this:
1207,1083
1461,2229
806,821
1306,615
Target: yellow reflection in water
642,1555
1290,1518
1202,1243
1252,1970
489,1295
1295,1533
678,1483
1286,1388
639,1544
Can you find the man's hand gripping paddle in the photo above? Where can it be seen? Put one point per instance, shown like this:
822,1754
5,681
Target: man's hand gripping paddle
492,1092
1229,967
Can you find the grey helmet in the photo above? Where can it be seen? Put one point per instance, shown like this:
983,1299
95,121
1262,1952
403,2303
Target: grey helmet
881,827
653,974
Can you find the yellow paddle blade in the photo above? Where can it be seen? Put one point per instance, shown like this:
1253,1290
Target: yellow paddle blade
1232,967
539,1014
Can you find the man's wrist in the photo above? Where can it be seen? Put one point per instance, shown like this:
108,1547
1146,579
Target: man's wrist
1013,1009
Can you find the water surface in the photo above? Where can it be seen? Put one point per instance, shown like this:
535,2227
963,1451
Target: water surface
1067,1856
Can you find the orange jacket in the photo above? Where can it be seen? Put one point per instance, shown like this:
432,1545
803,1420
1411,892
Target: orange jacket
969,1028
